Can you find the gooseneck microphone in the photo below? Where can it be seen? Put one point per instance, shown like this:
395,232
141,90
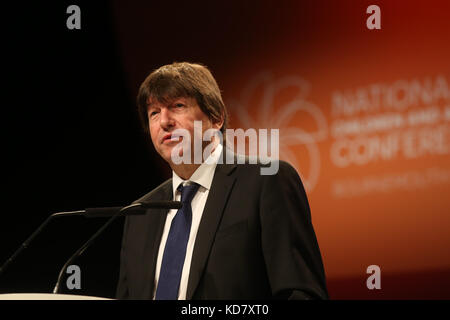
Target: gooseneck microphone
35,233
130,208
138,208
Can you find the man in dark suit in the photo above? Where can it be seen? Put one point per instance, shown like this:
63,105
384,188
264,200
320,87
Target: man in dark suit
239,234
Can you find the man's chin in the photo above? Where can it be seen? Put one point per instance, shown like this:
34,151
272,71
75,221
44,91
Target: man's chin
168,156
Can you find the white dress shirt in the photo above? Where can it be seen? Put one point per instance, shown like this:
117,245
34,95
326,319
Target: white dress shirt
202,176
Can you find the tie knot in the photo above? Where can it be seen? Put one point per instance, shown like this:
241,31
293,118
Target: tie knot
188,192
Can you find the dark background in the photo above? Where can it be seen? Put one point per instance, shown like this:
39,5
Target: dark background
72,140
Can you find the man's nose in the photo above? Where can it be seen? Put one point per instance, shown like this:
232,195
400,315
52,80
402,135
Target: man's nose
166,120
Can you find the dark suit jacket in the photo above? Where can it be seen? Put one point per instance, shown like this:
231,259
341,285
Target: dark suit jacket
255,240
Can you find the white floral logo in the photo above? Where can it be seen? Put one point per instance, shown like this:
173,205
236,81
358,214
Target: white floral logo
259,96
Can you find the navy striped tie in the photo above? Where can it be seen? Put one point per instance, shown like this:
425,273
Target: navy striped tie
175,250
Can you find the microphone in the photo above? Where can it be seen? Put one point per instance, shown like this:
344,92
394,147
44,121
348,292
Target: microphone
131,207
35,233
141,209
136,209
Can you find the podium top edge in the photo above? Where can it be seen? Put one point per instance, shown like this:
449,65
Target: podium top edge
47,296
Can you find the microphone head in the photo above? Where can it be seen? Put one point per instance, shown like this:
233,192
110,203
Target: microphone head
137,208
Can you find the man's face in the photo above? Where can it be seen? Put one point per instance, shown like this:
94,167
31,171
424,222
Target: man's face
165,118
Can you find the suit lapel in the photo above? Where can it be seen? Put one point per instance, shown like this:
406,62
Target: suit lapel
217,198
156,219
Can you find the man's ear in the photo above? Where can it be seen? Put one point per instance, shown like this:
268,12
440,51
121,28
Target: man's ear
217,124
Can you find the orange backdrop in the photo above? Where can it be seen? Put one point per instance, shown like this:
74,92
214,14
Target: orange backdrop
364,117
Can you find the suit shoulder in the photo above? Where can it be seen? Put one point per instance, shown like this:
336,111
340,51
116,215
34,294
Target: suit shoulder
287,167
267,170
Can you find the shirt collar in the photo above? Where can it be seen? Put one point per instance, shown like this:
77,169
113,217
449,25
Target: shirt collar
203,175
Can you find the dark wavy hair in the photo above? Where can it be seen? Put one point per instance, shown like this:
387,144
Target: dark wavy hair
183,79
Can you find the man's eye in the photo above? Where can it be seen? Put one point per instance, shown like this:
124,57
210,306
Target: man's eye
179,105
153,113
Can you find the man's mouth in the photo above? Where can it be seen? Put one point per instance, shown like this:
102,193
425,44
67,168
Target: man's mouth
171,137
